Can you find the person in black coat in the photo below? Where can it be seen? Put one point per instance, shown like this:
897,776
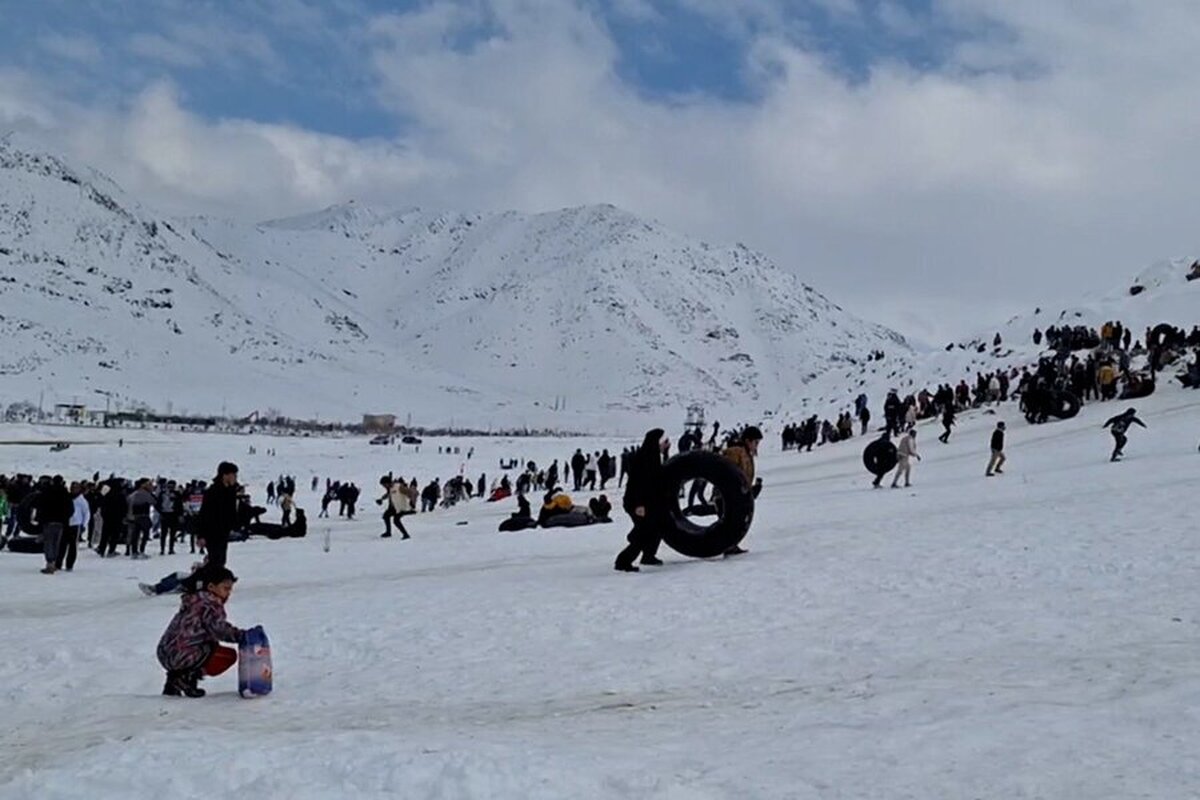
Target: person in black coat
54,509
114,505
997,460
645,502
219,514
1119,425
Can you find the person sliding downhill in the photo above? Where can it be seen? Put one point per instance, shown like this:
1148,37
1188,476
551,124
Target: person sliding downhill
1119,425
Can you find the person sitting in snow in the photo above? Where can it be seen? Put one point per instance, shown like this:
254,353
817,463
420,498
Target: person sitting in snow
554,503
601,508
190,647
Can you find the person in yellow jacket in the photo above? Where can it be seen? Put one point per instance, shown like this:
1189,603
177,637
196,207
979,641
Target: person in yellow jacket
1107,377
554,503
742,453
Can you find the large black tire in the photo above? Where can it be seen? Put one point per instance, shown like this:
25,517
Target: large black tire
25,521
736,506
880,457
26,544
1063,404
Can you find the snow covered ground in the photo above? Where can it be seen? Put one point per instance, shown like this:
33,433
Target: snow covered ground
1025,636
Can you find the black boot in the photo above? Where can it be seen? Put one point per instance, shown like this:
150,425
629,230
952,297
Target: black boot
651,561
174,686
624,567
189,684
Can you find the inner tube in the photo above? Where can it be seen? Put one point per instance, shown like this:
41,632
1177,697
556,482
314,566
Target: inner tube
25,521
1062,404
880,457
25,544
735,507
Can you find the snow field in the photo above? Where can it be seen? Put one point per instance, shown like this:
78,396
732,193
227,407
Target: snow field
1029,635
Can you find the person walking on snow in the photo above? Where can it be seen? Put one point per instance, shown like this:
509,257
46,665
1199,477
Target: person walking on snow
644,503
997,460
742,454
401,500
905,452
947,423
1119,425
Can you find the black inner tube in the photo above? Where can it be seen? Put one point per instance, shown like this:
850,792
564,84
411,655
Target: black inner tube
880,457
732,501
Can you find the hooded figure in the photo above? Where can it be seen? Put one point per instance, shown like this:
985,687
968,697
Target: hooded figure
646,502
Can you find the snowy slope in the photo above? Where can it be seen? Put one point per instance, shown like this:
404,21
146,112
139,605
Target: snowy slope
491,318
1028,636
1165,296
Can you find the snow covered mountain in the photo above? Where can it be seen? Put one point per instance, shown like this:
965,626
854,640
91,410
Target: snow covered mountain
573,318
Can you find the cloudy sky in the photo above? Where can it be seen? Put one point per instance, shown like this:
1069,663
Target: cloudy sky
934,164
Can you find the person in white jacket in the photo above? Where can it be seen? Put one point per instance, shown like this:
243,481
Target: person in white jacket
589,469
80,517
905,452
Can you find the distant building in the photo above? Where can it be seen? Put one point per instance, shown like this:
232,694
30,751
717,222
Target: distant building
70,412
379,423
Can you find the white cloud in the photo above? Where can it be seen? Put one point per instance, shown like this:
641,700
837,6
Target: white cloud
216,44
636,10
157,47
900,195
83,49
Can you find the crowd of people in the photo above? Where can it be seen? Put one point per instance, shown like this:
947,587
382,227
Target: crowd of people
1116,366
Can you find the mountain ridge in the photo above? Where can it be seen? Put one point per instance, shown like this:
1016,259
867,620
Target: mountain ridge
497,315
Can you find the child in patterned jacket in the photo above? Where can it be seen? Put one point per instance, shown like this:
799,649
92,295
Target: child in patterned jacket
191,645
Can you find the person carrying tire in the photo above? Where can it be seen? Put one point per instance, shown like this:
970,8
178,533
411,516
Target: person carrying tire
1119,425
879,458
742,453
645,502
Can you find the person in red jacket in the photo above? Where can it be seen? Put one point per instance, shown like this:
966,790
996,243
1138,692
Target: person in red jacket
190,647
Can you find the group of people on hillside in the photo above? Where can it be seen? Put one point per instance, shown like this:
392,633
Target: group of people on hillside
1105,373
